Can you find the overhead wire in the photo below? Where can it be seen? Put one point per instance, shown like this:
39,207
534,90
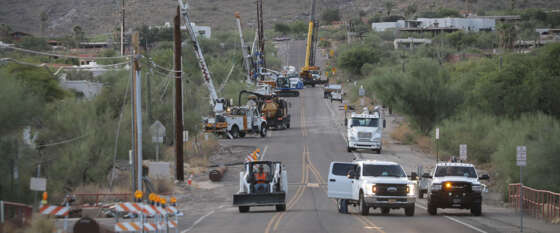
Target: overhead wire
60,55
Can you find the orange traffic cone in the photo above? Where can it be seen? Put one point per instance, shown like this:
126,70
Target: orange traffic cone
189,181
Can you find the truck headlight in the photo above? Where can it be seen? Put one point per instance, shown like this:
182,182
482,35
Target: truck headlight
373,189
476,188
436,187
410,189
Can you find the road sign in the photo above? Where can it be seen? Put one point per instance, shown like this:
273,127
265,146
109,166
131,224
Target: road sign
437,133
38,184
185,135
157,130
463,151
522,156
361,91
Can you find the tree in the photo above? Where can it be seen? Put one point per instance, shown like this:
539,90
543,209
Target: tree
5,31
410,10
33,43
282,28
330,15
79,34
389,7
353,58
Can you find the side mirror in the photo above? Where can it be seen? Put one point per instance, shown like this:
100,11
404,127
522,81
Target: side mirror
426,175
413,176
484,177
384,123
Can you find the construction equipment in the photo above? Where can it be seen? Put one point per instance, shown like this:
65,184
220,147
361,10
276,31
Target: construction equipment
273,108
237,121
310,73
272,192
243,48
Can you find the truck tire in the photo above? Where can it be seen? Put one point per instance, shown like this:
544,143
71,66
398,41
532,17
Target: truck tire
420,194
432,210
409,210
476,209
234,131
385,210
281,207
244,209
263,130
364,209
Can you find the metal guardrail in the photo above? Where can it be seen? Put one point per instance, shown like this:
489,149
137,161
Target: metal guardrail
16,213
537,203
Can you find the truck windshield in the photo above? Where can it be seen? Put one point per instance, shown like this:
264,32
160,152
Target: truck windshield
365,122
455,171
384,170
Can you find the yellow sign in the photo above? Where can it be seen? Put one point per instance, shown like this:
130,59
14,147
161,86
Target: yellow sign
173,200
138,194
345,107
331,53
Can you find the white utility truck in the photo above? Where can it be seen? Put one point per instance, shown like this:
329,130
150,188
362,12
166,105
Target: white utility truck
371,183
364,131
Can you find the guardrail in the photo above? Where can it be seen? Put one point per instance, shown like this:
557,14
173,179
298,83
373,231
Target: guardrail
537,203
16,213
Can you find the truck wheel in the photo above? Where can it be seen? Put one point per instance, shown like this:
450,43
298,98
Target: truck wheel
476,209
263,130
432,210
378,151
244,209
364,209
409,211
234,131
242,134
281,207
385,210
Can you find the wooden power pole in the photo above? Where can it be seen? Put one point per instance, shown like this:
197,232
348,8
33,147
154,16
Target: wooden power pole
178,99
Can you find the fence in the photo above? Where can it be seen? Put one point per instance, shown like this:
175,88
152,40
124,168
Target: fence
15,213
537,203
95,199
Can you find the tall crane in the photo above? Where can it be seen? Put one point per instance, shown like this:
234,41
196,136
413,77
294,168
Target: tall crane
216,103
310,72
243,48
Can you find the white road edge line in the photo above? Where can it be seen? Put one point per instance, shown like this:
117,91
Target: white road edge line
264,153
202,218
457,221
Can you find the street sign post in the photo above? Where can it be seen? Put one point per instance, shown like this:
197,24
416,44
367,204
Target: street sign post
521,162
157,130
463,152
38,184
437,145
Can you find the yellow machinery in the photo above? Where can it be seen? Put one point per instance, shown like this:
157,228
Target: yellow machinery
310,73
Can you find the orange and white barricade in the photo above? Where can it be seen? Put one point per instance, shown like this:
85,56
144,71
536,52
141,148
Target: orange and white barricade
54,210
129,207
127,227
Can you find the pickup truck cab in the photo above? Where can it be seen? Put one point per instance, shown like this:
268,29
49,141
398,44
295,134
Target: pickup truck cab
371,183
455,185
365,131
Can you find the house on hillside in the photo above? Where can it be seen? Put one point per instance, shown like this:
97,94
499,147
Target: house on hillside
438,24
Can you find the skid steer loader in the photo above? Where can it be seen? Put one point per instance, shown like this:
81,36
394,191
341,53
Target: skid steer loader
272,193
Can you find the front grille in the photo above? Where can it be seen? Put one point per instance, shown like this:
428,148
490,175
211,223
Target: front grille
458,187
364,135
391,190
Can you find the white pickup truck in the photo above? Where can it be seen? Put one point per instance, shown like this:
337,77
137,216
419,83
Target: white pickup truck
364,131
371,183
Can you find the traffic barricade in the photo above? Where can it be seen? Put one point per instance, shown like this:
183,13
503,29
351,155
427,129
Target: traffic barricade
542,204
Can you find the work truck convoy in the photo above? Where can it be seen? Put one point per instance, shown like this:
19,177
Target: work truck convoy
365,130
371,184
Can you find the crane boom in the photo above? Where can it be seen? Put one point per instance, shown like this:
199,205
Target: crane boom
215,102
243,48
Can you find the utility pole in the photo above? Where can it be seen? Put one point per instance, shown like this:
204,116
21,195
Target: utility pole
137,110
260,28
122,29
178,100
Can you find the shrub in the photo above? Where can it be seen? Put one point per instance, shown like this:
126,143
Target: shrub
330,15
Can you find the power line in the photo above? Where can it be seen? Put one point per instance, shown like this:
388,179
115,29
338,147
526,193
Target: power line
64,141
59,55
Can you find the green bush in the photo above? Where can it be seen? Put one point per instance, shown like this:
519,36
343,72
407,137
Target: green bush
330,15
282,28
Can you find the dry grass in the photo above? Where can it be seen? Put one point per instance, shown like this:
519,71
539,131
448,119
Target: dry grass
39,224
424,143
96,188
556,220
403,134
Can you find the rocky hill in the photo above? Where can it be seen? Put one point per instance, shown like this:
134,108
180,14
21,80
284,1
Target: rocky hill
102,16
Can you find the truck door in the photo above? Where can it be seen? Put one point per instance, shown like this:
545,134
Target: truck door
340,186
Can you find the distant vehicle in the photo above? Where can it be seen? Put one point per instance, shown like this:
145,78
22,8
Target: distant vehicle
330,88
336,95
272,193
371,183
282,38
364,131
455,185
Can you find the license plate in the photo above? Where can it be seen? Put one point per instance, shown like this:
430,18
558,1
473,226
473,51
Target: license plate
456,200
391,200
